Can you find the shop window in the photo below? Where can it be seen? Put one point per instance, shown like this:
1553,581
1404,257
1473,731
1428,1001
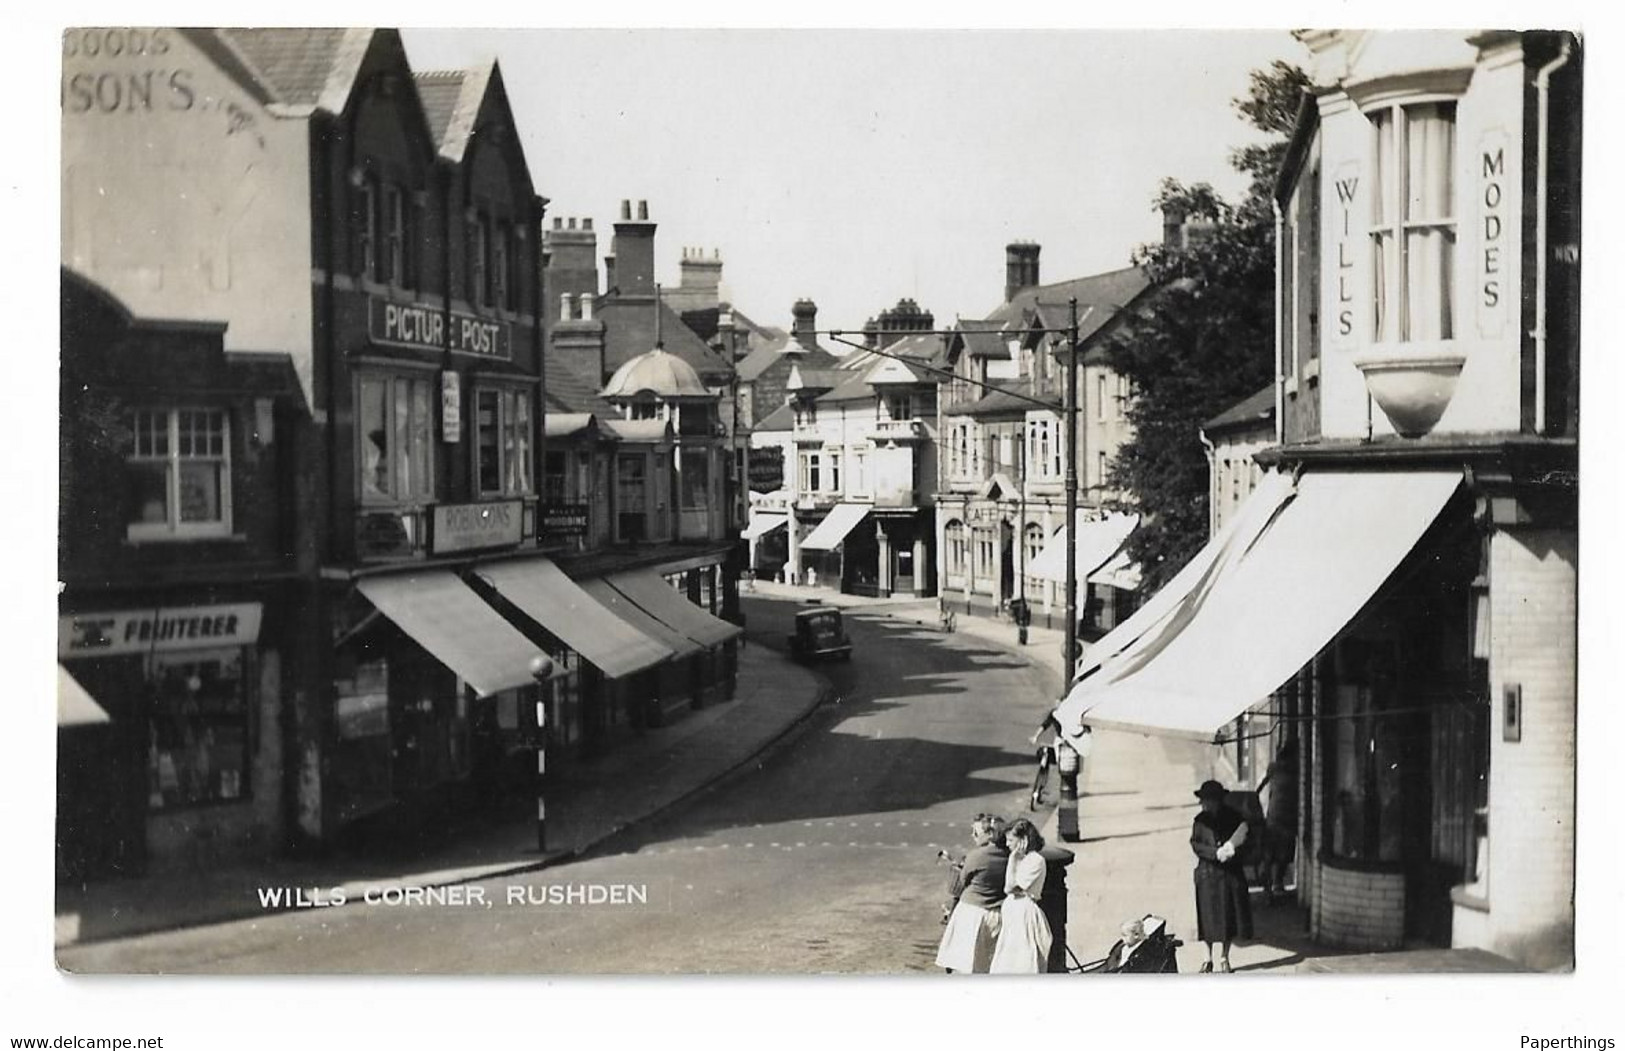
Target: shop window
1032,543
1413,232
198,739
393,421
363,760
1366,751
631,496
179,471
696,467
555,476
503,442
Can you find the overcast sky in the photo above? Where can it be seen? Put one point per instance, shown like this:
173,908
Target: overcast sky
858,167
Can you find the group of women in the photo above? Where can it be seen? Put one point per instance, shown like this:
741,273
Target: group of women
996,925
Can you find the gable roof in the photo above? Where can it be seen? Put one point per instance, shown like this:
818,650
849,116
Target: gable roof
1100,297
304,67
782,418
630,331
1255,410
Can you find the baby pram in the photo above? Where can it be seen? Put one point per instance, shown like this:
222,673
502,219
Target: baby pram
1155,955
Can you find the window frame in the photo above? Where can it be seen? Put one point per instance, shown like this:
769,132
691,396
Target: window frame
392,496
509,399
1393,287
173,528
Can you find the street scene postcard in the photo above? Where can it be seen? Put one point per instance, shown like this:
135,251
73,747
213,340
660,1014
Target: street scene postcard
874,502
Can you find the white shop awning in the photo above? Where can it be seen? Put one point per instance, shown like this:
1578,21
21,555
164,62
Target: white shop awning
1120,571
1097,542
833,529
661,601
541,591
446,618
1262,613
74,704
761,525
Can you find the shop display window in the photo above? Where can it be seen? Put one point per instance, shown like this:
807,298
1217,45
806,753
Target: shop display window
362,766
198,739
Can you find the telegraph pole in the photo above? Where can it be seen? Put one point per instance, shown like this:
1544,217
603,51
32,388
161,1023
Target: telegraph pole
1070,415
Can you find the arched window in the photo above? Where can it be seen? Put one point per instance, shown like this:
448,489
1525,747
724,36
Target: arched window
954,547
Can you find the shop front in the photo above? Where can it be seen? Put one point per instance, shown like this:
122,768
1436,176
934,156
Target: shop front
185,767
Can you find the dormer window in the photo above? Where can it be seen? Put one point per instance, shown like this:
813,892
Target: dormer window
1413,230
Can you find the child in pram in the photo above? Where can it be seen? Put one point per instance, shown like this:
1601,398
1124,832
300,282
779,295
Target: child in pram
1145,947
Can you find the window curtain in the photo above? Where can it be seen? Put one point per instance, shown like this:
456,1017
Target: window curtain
1430,163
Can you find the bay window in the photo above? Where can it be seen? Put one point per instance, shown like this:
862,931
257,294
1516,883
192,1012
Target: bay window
503,442
179,469
1413,230
392,435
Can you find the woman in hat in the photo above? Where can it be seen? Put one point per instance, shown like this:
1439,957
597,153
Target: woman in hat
1222,911
1024,934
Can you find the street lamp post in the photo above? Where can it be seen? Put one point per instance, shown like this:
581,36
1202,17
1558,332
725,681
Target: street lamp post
1068,411
541,669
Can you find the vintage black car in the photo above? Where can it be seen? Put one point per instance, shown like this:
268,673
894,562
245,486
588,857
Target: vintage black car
820,634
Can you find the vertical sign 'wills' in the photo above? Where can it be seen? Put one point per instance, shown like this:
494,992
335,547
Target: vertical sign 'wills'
1346,181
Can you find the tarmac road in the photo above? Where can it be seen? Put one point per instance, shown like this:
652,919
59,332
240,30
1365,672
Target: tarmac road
820,860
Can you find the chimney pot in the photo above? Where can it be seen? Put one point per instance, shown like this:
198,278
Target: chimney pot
626,210
572,224
643,210
586,224
586,306
558,223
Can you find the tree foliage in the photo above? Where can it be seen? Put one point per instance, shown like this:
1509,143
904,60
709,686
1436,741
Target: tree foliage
1205,339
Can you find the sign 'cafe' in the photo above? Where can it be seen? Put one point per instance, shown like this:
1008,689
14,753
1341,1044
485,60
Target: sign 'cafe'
429,328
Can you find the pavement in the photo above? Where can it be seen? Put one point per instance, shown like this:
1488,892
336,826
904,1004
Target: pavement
1133,855
590,802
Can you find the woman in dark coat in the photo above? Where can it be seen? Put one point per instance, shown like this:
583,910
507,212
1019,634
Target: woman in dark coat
1222,910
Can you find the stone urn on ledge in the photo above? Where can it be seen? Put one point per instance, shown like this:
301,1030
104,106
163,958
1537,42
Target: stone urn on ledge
1412,382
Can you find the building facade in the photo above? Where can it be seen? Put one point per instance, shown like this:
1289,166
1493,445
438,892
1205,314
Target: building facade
309,557
1403,577
1001,496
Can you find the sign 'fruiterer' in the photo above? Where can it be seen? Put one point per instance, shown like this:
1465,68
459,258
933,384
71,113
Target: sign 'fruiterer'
430,328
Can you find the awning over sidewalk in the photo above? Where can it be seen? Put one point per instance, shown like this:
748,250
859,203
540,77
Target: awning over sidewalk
74,704
1120,571
446,617
1161,616
833,529
761,525
1266,610
1097,542
662,602
602,593
543,593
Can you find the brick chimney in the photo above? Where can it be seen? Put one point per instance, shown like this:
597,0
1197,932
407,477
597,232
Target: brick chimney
571,250
700,285
805,315
1020,267
634,248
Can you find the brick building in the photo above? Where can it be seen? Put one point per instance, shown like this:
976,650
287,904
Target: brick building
1395,602
306,290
